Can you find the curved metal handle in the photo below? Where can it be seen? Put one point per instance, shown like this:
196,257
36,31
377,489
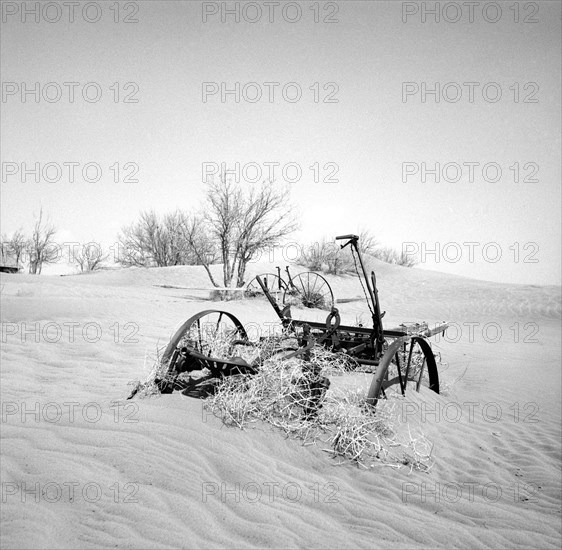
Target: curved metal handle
334,314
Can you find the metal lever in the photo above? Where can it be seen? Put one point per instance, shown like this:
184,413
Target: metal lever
351,239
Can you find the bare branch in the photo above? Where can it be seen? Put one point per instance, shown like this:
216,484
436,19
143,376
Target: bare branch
199,242
41,246
89,257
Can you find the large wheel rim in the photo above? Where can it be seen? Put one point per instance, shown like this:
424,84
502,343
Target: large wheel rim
202,331
312,290
413,364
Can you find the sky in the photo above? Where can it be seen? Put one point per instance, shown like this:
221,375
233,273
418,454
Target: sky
352,104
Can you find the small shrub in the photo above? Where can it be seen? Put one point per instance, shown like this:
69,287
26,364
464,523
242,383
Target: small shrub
327,257
392,256
226,295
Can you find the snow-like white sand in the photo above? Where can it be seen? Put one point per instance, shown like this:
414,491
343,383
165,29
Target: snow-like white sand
82,468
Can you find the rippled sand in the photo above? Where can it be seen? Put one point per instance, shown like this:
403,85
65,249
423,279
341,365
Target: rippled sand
82,468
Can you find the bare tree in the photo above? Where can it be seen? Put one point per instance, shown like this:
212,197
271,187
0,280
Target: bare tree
267,217
89,257
163,241
155,238
146,243
133,246
14,248
224,207
199,242
245,222
41,247
180,251
5,253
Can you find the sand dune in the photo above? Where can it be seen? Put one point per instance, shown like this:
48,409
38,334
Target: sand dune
83,468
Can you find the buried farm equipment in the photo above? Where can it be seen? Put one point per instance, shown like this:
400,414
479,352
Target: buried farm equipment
309,288
400,356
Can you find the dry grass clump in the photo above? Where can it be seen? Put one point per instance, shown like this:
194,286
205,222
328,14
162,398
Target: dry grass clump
280,394
226,295
373,437
218,345
157,370
290,395
310,299
333,364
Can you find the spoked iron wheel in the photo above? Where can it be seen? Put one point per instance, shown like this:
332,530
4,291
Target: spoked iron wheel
212,333
407,362
311,290
271,281
412,359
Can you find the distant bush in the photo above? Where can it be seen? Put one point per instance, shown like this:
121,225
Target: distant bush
88,257
226,295
157,240
328,257
392,256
